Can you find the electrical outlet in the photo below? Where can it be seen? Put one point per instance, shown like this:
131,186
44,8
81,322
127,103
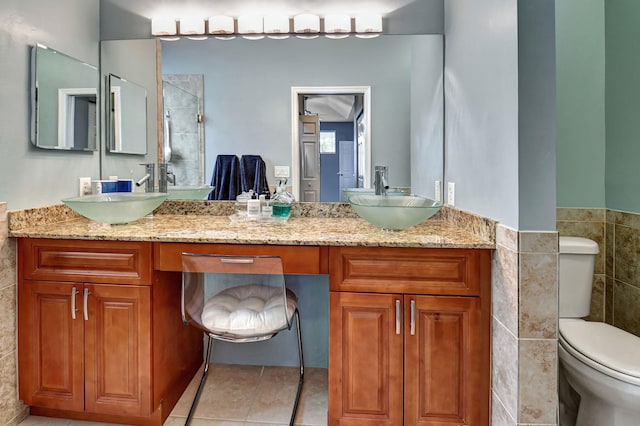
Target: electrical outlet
451,194
438,191
281,171
84,186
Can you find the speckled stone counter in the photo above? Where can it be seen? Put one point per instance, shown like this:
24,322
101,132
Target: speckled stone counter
328,224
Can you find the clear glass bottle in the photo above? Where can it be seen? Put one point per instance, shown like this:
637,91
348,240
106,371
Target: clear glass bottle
282,202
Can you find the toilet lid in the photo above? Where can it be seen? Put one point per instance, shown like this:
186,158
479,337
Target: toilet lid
604,344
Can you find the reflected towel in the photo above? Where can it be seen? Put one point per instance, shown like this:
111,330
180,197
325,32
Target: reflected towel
226,178
253,174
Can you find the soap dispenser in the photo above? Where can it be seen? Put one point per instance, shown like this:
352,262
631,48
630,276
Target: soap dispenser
253,206
266,210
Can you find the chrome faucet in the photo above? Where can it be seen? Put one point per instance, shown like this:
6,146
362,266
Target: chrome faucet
148,178
165,177
380,181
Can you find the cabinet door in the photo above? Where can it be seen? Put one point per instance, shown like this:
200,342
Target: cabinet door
50,355
365,359
118,349
443,366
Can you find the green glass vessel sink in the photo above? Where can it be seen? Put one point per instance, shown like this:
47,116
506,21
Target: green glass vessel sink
394,212
200,192
116,207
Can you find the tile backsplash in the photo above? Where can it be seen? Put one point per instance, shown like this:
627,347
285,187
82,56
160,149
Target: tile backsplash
12,411
616,292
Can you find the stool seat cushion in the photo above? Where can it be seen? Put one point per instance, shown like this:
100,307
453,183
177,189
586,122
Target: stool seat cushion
248,310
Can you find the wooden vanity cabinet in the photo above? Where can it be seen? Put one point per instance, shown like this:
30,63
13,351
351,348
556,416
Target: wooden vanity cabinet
85,331
409,336
85,360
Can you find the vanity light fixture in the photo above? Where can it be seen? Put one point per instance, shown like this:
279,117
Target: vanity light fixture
222,27
193,28
276,26
368,25
253,27
250,27
165,28
306,25
337,26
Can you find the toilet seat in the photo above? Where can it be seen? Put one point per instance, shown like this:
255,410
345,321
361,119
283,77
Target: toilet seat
605,348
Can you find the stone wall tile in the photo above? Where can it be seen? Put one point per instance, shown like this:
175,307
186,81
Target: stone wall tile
538,381
538,304
504,372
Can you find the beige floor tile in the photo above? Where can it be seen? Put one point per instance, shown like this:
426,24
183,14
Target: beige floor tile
227,393
275,395
314,399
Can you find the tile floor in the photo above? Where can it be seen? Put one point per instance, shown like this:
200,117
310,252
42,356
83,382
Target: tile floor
237,395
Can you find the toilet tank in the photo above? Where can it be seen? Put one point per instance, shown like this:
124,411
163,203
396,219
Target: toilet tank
577,257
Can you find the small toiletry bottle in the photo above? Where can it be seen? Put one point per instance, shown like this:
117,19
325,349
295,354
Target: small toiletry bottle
267,210
253,206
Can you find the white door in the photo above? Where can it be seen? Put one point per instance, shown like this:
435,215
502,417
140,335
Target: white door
347,161
309,136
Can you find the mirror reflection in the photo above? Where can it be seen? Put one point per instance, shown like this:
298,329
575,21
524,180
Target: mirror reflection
64,96
247,106
127,116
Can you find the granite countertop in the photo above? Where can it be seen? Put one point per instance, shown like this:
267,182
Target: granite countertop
181,226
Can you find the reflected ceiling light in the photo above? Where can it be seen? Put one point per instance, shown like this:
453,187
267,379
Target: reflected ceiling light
306,25
368,25
276,26
165,28
193,28
337,26
222,27
251,27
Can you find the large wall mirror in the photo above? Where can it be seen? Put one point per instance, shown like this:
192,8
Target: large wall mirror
247,97
64,101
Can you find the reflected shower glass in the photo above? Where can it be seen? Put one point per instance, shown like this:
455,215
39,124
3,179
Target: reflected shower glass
181,145
127,130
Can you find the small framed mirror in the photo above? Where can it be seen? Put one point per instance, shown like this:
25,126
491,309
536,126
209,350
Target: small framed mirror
127,116
64,96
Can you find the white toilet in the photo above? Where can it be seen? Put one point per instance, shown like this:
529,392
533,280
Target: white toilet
600,362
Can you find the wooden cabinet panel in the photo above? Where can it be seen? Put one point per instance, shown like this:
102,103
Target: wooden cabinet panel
443,366
117,262
118,350
295,259
51,347
405,270
365,361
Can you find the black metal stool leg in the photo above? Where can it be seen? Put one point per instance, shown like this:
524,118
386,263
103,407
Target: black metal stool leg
194,404
301,360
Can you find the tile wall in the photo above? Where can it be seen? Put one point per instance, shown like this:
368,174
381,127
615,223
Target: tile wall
524,327
616,288
11,410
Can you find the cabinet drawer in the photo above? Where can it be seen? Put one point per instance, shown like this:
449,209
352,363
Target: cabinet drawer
116,262
409,270
295,259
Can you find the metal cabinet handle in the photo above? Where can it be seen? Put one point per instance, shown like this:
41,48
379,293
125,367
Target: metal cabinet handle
84,304
235,260
413,317
398,316
74,291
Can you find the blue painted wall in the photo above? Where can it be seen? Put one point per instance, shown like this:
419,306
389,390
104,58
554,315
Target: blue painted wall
330,163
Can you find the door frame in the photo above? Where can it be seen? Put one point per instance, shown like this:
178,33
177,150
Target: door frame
365,91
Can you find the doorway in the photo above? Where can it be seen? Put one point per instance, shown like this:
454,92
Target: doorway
321,168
